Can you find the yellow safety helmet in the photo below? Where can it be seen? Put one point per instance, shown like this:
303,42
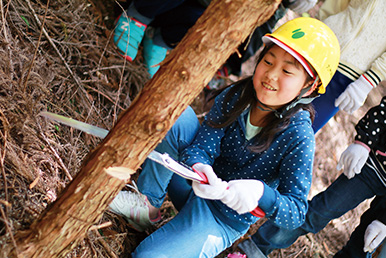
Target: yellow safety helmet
308,39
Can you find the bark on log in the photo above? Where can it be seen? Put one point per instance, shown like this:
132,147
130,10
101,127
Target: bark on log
181,77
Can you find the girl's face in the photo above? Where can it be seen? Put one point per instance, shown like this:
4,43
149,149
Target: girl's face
279,78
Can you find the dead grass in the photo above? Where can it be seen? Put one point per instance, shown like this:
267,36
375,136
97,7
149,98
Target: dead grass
73,69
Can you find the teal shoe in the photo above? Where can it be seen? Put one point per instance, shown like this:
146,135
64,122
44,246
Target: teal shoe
153,54
128,35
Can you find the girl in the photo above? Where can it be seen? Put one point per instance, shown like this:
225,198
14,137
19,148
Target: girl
255,146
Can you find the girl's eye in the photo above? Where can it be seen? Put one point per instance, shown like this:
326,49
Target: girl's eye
286,71
267,62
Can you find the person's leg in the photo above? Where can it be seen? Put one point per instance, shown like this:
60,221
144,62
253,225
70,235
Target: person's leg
268,238
154,50
254,42
153,8
175,23
141,207
154,178
154,46
354,247
193,232
178,191
325,104
132,23
341,196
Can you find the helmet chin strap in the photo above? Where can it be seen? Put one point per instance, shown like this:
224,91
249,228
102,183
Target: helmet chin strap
298,100
264,107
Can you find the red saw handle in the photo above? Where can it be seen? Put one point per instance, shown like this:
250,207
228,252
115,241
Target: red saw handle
257,212
202,175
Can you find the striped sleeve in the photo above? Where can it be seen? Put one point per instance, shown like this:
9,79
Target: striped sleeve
377,72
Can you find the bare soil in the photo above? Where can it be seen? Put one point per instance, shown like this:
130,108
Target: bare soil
71,67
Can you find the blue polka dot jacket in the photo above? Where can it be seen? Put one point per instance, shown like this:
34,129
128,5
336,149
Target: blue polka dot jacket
285,167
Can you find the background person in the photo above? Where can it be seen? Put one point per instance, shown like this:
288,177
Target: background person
160,24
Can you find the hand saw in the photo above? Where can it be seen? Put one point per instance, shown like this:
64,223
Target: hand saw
163,159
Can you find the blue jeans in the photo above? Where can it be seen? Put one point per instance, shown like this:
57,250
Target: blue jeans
341,196
325,104
195,231
157,176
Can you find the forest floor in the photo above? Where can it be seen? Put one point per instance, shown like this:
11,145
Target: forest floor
72,68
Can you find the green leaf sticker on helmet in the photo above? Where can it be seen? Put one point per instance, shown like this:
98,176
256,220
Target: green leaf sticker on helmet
297,34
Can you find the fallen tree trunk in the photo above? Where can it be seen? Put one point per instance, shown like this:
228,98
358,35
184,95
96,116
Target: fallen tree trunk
181,77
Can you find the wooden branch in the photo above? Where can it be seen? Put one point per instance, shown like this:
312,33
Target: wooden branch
181,77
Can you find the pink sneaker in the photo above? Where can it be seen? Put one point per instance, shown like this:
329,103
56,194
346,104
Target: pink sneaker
236,255
134,208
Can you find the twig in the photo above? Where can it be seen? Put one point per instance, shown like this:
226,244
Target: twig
104,95
3,19
106,246
57,157
9,231
105,48
36,48
2,157
103,225
123,70
3,15
58,52
300,251
94,253
326,248
61,163
104,68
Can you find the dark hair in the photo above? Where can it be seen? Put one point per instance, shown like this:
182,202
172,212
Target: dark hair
248,98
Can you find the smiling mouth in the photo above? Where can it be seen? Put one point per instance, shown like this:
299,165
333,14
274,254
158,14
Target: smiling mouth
268,87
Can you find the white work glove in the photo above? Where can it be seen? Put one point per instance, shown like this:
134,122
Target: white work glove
302,6
353,159
374,235
216,188
243,195
354,96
